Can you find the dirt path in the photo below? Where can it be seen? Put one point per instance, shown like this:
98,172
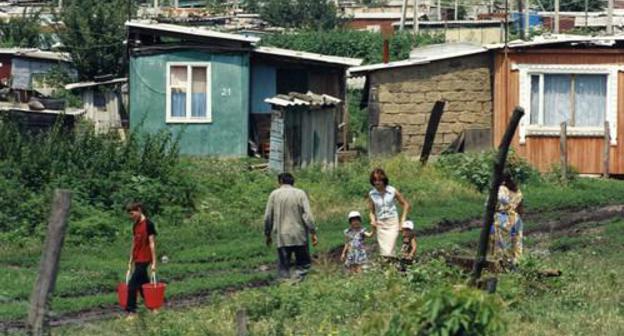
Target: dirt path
544,222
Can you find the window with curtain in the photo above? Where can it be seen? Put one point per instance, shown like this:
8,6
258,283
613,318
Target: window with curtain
578,99
188,92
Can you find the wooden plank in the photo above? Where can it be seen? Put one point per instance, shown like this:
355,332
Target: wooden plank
432,129
276,146
48,267
495,182
563,150
607,146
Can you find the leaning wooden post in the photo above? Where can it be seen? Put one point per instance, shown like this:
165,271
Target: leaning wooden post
607,146
48,267
495,182
563,150
432,129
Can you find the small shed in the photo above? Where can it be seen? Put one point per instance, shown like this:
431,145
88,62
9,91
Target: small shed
303,130
103,103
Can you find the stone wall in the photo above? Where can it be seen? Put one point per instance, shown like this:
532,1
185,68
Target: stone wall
405,97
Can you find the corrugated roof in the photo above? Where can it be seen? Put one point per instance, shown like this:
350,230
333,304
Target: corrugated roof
36,53
379,16
80,85
171,28
301,99
431,54
445,52
308,56
452,23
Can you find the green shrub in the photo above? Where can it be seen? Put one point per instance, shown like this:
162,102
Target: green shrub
476,168
103,172
461,311
351,43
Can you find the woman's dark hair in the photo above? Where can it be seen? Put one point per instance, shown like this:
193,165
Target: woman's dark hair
286,178
509,182
135,206
379,174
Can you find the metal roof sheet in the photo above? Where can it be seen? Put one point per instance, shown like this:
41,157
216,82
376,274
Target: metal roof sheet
36,53
303,99
195,31
80,85
308,56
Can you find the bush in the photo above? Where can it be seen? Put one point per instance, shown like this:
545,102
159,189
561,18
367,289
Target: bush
476,168
103,173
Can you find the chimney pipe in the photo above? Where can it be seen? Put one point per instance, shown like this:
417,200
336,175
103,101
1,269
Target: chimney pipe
386,51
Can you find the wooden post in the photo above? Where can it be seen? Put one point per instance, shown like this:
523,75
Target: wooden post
403,14
563,150
495,182
48,267
556,24
527,20
241,323
416,21
607,146
432,129
610,17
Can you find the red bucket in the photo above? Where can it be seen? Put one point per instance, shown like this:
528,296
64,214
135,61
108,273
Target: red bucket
122,292
154,293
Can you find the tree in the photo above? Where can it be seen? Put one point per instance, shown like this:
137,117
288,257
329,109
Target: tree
94,35
307,14
23,31
574,5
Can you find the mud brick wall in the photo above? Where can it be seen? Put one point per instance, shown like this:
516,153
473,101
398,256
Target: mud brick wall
405,97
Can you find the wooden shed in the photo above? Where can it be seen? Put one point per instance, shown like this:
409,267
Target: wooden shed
303,130
103,102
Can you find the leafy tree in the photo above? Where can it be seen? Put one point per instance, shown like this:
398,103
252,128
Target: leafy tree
23,31
94,33
308,14
574,5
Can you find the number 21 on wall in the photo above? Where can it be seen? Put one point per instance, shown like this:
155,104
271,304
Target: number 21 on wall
226,92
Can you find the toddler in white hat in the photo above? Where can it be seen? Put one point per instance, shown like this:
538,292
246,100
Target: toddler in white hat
354,254
408,249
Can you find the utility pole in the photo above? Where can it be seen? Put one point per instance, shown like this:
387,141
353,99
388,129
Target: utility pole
527,19
556,27
456,8
610,18
60,4
155,4
416,22
586,13
403,13
439,11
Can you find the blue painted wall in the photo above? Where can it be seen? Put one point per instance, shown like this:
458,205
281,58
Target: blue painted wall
227,134
263,85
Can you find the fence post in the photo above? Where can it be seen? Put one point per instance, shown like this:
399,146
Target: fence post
48,267
432,129
607,146
495,182
563,150
241,323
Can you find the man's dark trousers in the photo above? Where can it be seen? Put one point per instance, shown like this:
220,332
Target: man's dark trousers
302,260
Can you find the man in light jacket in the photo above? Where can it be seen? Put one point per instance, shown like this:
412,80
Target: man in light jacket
288,220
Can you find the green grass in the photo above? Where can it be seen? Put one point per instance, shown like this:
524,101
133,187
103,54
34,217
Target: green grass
222,238
586,299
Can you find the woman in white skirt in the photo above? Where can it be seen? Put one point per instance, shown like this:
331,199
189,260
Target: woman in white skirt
384,215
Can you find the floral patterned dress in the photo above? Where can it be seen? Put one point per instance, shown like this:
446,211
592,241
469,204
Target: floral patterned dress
356,254
506,233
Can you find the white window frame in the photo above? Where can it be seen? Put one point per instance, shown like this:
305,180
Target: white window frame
189,96
528,70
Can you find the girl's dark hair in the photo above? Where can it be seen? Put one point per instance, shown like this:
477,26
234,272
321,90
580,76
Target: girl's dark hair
379,173
135,206
286,178
509,183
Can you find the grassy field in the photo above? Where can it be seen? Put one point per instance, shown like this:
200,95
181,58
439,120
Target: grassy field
586,299
219,244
